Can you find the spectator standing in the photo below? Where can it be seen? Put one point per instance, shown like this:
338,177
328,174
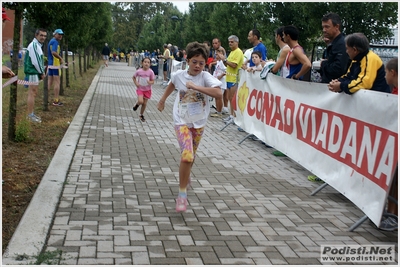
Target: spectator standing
297,62
219,73
106,54
34,70
233,63
256,59
166,55
143,78
6,71
280,68
216,45
337,60
366,70
191,110
56,61
254,38
391,74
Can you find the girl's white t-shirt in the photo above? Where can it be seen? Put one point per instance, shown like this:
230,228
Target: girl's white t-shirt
220,68
191,107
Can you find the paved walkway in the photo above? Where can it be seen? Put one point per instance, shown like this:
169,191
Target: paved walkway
246,206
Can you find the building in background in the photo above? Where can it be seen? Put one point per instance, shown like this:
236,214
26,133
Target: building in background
386,48
8,33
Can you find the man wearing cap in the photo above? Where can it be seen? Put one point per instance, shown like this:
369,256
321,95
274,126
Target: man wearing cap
6,71
55,61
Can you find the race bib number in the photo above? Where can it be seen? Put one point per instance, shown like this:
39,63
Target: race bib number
191,106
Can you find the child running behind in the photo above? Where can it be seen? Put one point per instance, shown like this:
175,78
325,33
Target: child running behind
191,110
143,78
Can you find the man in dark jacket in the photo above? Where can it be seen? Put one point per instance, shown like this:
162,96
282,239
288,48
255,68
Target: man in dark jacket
366,70
337,61
106,54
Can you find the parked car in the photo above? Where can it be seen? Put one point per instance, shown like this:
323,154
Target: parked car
70,53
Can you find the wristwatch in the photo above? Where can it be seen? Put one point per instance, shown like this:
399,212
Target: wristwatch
225,60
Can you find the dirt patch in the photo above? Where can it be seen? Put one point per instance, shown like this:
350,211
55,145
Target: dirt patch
24,164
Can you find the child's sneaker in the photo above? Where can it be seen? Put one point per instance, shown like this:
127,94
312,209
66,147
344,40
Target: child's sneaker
181,204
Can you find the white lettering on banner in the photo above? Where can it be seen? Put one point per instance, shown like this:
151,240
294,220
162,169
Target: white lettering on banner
324,130
351,143
352,138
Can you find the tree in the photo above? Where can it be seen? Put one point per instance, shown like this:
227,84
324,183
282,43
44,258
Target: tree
18,8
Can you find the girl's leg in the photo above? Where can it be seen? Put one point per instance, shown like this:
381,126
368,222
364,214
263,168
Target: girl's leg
189,139
144,104
139,102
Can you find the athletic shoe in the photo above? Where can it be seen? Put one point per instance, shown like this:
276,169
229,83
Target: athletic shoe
314,178
230,121
58,104
278,153
225,110
216,115
227,118
142,118
34,118
135,107
389,223
181,204
164,83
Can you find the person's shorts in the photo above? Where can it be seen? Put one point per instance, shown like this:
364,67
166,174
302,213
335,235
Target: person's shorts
54,72
145,94
229,85
165,67
105,57
32,78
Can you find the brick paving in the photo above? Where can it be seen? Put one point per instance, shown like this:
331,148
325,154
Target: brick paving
246,206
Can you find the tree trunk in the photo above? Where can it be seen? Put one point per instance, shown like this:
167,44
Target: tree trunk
61,73
80,62
84,60
66,62
13,88
73,66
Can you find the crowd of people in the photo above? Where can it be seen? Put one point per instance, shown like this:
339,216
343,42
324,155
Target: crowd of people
348,65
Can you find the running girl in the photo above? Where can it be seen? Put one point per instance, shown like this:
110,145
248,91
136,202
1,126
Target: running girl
143,78
191,110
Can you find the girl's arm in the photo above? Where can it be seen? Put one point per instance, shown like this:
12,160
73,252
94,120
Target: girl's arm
134,81
210,91
161,104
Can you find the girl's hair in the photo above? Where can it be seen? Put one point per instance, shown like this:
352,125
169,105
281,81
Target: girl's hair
145,58
258,53
393,64
194,49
